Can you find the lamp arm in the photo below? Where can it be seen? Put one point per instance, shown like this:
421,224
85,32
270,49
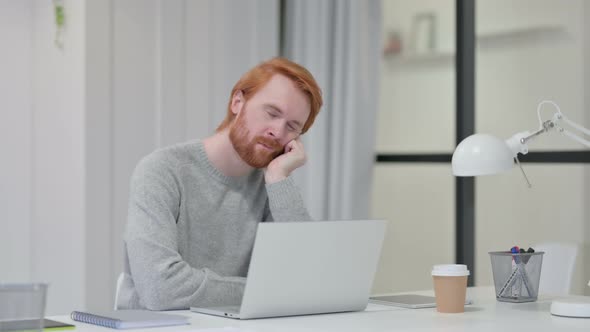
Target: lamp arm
518,142
545,127
558,117
576,138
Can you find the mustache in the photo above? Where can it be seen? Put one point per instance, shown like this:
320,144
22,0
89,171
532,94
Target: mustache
270,143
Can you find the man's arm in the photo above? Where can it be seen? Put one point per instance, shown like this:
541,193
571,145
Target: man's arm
162,278
285,202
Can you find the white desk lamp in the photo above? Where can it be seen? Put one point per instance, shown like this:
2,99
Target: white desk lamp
483,154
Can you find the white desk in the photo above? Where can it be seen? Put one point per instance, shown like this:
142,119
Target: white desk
485,314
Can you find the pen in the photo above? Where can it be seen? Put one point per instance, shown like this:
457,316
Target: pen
510,279
525,279
508,282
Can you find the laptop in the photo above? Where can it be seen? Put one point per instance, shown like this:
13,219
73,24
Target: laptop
303,268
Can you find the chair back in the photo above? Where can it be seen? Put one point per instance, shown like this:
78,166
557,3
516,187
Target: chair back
119,283
558,267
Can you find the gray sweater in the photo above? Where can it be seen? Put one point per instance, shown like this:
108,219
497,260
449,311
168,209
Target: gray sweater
190,229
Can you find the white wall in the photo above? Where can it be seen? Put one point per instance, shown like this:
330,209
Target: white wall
57,223
586,20
133,75
16,138
97,125
43,176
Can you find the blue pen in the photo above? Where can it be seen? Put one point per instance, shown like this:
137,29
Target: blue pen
515,250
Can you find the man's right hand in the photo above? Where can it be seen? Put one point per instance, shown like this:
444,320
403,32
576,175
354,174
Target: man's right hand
282,166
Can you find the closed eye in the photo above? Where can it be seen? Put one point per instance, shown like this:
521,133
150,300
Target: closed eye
293,127
272,113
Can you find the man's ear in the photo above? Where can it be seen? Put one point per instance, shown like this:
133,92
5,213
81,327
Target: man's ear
237,102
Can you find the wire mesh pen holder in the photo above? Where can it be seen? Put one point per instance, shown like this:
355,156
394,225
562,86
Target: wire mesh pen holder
516,275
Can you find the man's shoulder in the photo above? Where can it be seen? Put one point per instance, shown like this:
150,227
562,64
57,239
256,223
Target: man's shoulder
180,150
171,157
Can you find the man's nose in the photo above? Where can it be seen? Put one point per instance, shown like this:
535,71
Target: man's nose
276,130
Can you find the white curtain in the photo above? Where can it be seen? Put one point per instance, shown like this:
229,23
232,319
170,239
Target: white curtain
339,41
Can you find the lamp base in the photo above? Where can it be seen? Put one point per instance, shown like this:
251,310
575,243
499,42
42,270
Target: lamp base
575,306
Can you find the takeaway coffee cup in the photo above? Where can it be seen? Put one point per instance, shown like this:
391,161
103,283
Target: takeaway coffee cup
450,286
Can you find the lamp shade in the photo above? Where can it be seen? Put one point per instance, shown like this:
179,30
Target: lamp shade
482,154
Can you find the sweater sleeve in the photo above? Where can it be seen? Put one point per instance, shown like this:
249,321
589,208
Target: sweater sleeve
163,280
285,202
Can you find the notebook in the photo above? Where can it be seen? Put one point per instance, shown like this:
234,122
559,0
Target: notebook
302,268
129,319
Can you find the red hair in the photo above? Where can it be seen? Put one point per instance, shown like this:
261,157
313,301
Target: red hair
252,81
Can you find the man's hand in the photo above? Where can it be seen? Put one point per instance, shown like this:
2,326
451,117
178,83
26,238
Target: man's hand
282,166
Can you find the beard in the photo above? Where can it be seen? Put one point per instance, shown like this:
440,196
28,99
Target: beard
248,150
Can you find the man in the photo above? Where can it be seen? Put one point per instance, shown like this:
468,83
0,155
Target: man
194,207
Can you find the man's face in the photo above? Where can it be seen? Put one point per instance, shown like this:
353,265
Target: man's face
273,117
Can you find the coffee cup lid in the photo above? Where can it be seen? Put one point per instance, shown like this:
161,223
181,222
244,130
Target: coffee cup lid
450,270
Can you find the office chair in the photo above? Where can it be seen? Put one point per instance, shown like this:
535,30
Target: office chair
119,283
558,267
